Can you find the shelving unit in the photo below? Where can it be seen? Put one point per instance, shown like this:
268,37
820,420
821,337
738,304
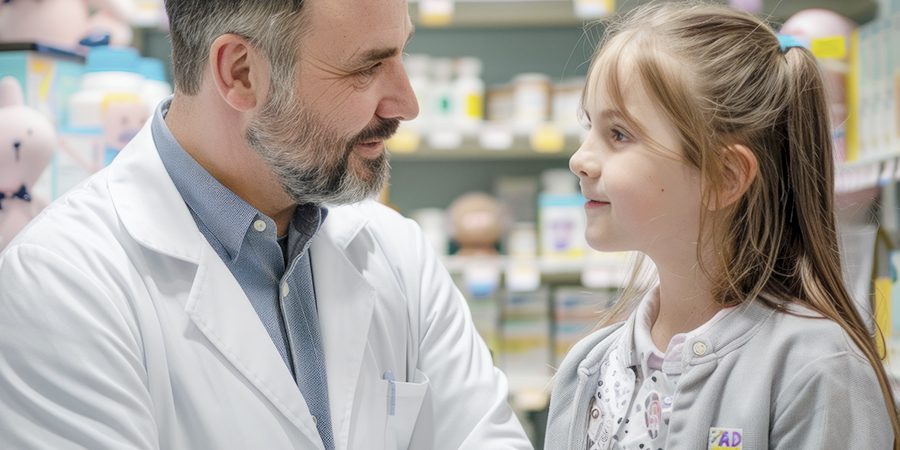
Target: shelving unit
609,275
490,143
866,173
547,13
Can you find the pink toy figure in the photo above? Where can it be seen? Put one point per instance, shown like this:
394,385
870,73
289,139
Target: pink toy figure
123,116
477,223
64,23
27,140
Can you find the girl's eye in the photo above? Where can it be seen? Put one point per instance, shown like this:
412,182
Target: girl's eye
617,135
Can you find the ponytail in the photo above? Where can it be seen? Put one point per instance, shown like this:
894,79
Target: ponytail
809,170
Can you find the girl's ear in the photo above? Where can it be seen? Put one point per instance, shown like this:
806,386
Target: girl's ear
740,168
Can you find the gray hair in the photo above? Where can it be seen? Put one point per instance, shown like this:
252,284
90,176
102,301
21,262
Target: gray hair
270,25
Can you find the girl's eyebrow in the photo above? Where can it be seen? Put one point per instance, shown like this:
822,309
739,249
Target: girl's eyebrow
610,114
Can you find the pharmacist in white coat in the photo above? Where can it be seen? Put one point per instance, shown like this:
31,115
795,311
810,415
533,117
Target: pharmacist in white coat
208,291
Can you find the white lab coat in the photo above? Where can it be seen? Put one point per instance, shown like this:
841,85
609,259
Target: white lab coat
120,327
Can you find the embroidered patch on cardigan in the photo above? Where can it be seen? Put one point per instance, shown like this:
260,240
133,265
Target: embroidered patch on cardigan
725,439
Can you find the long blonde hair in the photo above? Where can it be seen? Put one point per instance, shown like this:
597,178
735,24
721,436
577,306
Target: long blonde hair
721,77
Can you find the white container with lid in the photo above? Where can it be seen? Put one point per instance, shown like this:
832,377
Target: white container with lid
468,94
417,70
108,70
566,103
531,100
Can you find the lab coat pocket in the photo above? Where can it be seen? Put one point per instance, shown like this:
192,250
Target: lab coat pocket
409,414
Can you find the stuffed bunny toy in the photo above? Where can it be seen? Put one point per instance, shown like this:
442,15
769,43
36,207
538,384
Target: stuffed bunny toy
27,141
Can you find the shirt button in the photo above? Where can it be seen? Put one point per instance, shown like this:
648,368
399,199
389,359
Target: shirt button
259,225
699,348
285,290
315,421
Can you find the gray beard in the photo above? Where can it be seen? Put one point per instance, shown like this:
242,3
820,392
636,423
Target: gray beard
302,154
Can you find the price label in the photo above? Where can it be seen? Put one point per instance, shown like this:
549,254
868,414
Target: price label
436,13
548,139
404,141
495,138
592,9
831,47
523,276
445,139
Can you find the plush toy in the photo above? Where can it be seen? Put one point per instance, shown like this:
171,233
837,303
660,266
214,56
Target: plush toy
123,117
65,23
476,224
27,140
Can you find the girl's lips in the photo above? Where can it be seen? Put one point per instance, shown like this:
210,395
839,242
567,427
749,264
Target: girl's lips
590,204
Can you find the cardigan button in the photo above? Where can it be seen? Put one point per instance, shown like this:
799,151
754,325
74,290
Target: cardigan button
699,348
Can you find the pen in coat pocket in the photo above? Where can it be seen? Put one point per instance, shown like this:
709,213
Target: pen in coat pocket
392,393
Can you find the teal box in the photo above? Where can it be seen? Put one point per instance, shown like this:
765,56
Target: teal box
48,77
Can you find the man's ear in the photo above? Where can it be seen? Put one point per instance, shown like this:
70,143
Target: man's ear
739,169
239,72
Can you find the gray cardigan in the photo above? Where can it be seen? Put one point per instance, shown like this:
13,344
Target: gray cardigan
784,381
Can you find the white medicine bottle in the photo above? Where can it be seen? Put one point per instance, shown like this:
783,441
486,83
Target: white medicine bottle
108,70
441,103
468,94
155,87
417,70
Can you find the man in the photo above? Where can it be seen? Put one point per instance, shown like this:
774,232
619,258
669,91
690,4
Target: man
206,291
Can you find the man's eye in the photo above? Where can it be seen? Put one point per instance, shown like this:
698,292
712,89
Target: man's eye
369,71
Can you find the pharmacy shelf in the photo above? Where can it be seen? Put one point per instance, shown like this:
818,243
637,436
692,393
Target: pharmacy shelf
488,143
605,273
547,266
867,172
468,151
496,13
861,11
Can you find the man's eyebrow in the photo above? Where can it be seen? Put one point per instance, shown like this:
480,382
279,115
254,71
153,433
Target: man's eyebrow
378,54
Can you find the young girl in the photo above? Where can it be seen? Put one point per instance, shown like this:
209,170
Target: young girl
709,152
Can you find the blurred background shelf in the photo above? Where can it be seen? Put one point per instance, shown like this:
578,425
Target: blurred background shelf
550,13
477,145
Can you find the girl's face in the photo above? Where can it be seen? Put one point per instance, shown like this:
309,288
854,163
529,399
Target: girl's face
640,197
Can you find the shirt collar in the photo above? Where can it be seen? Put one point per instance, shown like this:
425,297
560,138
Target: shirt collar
227,216
649,357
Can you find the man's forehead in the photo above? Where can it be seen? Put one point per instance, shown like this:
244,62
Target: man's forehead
358,31
353,12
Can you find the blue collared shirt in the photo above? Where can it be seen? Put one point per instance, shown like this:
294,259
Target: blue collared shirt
247,242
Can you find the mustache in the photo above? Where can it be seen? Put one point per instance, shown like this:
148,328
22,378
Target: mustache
384,129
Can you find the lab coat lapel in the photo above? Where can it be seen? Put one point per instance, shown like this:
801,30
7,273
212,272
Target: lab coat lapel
219,308
154,213
345,302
